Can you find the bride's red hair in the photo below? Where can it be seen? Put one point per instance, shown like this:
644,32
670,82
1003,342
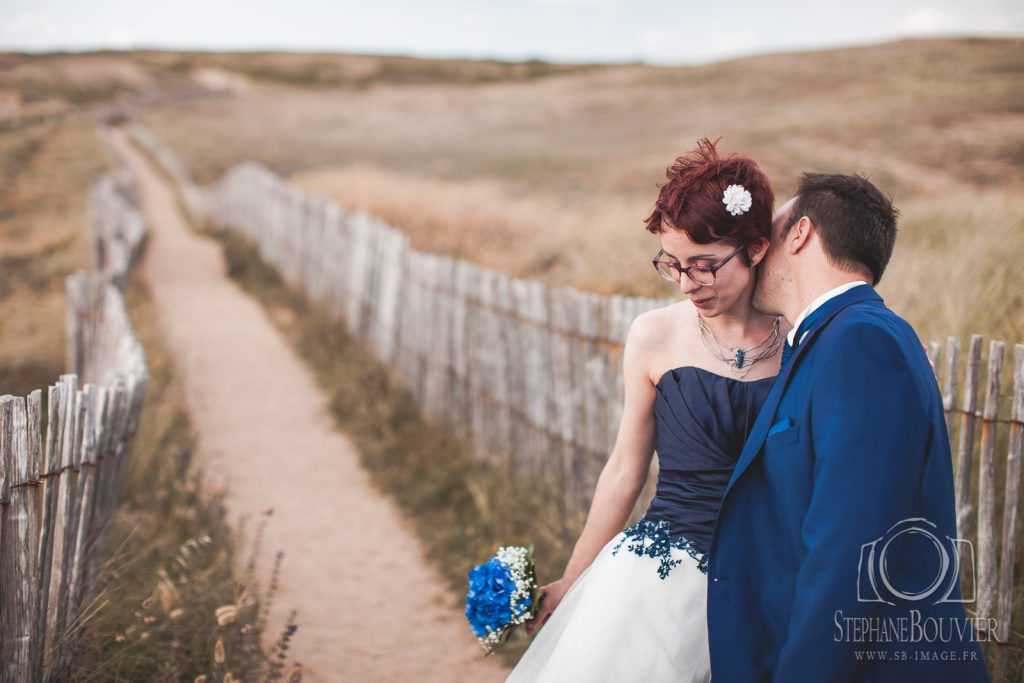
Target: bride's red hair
691,199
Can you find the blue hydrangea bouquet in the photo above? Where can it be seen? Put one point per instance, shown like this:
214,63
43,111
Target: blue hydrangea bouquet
502,595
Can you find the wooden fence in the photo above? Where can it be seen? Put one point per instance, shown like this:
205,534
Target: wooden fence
118,229
523,370
531,374
62,462
987,515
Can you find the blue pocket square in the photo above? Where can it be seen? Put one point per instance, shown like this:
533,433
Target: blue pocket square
781,426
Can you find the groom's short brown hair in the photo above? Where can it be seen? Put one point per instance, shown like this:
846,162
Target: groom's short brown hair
856,222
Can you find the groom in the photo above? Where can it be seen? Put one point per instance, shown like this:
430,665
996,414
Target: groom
835,553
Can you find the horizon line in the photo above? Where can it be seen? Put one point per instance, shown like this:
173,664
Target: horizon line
551,59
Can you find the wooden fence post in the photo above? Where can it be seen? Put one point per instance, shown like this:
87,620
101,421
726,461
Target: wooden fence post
1011,503
965,448
987,484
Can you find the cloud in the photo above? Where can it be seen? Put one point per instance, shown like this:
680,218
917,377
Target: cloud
579,4
120,38
27,24
661,45
930,21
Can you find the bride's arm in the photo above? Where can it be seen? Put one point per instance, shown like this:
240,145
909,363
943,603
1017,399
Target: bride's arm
624,474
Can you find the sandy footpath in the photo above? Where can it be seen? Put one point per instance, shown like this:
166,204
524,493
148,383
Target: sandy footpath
369,609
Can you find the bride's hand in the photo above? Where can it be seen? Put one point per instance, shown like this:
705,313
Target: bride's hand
549,596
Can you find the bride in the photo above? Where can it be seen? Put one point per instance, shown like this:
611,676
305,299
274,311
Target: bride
631,603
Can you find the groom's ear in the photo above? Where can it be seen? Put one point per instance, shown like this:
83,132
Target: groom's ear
799,235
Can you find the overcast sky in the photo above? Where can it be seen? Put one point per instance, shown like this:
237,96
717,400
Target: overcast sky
673,31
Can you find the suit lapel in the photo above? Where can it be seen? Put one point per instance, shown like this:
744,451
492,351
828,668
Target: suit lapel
765,418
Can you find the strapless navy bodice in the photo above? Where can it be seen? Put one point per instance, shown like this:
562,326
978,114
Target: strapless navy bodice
701,422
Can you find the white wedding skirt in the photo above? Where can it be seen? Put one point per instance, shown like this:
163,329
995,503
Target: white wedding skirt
621,622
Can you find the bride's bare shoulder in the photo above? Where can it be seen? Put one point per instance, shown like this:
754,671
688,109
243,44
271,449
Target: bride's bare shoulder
659,320
651,329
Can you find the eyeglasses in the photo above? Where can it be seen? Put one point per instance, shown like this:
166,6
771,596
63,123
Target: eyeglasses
699,274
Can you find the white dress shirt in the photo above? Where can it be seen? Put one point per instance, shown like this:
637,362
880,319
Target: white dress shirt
815,304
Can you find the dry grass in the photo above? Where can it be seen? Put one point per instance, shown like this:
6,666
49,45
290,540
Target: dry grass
70,78
494,221
34,85
956,267
46,172
550,179
338,70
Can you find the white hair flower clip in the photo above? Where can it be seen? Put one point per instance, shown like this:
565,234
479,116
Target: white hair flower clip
737,199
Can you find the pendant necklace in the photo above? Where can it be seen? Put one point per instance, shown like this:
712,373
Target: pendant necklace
736,357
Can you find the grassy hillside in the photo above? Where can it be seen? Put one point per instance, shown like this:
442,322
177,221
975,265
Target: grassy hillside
568,164
33,84
477,158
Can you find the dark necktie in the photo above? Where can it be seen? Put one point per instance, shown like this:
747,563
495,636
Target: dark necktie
805,325
787,351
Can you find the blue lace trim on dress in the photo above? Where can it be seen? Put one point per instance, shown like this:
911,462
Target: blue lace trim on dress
651,539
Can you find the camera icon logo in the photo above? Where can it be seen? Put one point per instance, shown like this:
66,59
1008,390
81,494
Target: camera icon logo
878,574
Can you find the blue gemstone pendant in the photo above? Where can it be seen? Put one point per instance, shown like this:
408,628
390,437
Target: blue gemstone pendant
740,356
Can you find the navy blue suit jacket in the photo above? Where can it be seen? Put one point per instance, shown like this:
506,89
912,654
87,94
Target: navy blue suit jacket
822,565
